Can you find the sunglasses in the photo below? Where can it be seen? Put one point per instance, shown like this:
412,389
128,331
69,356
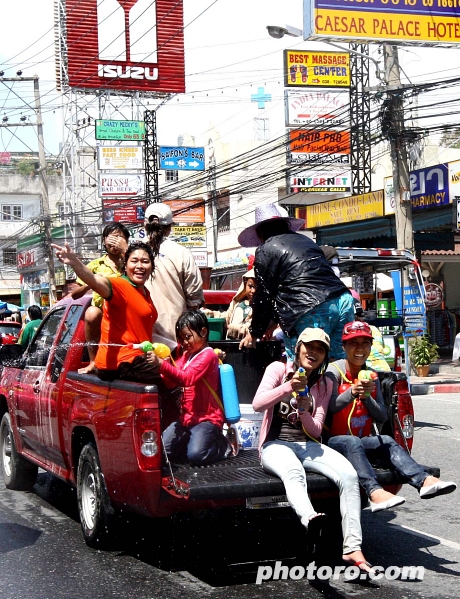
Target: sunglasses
356,327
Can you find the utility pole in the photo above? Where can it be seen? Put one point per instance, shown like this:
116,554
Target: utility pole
45,206
49,256
394,126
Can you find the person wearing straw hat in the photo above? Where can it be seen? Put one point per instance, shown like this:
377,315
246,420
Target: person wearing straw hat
296,286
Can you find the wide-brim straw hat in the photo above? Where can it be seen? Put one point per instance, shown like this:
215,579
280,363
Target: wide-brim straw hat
264,213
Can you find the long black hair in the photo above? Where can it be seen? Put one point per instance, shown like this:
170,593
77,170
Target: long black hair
156,234
139,245
317,373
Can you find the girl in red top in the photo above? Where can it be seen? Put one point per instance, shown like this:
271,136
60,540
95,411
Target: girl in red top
197,436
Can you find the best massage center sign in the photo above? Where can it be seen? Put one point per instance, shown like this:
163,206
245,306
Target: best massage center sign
417,22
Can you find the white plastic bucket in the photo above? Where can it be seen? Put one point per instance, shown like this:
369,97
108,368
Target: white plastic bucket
248,427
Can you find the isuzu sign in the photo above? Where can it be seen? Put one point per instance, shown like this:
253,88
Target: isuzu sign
125,45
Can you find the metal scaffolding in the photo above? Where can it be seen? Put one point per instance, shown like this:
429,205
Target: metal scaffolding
360,119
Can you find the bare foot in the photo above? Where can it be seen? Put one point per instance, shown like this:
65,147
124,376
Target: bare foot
87,369
380,495
356,558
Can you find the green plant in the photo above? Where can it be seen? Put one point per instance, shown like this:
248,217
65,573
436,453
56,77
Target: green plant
422,351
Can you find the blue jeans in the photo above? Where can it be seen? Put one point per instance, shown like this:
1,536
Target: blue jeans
331,316
201,444
380,449
289,461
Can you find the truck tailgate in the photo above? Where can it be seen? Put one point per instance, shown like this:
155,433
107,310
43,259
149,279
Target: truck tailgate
242,477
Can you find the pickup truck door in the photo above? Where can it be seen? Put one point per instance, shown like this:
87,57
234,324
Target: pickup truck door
31,382
51,409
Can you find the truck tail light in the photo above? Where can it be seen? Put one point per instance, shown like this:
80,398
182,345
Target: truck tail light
398,357
147,435
404,416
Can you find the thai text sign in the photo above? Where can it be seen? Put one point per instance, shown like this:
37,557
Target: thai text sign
345,210
120,130
124,44
187,211
429,187
421,22
317,108
120,157
189,236
316,69
326,181
116,185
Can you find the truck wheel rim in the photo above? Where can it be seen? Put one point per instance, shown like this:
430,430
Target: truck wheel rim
6,453
88,497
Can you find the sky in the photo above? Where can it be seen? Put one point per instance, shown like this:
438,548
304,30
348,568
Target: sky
228,56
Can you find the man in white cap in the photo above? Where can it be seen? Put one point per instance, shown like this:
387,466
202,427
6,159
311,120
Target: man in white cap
176,285
296,286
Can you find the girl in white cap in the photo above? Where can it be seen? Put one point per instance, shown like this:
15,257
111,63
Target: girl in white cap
295,407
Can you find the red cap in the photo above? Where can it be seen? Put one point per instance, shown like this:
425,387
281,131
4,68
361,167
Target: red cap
356,329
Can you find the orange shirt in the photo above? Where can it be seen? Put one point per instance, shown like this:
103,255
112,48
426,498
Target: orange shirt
128,317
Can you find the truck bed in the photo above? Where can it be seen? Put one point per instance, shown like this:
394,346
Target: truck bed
242,477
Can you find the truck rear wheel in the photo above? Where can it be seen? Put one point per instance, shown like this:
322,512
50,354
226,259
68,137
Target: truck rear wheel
96,512
18,473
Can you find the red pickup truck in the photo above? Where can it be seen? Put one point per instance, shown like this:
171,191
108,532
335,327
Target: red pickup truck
105,438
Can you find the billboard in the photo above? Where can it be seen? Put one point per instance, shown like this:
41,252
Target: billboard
133,45
187,211
120,157
118,185
120,130
429,187
122,211
345,210
317,144
316,69
315,108
414,22
191,237
326,181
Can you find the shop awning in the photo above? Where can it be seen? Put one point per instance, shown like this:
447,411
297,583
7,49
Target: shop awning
431,227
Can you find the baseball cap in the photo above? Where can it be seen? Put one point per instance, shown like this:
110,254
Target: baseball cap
309,334
160,211
356,329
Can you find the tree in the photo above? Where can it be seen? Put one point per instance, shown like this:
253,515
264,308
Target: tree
451,138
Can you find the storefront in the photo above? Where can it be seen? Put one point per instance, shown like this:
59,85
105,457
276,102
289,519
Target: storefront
33,270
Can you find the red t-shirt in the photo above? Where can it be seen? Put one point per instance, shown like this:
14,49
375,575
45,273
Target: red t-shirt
128,317
198,403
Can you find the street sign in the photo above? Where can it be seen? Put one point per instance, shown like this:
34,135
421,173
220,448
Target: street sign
120,130
181,158
120,158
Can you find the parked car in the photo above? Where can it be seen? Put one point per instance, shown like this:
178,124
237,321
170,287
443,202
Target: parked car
9,332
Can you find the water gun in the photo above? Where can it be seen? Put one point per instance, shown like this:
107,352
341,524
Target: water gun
304,390
367,375
159,349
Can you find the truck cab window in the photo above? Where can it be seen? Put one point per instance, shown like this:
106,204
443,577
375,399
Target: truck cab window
39,349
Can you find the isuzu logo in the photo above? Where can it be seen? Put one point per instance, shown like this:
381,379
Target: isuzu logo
113,71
